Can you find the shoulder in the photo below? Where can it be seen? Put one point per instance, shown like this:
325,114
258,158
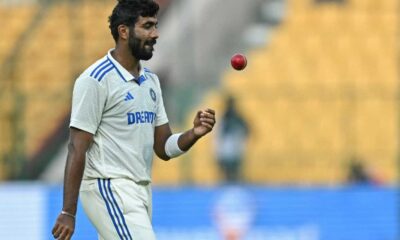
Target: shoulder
93,76
98,70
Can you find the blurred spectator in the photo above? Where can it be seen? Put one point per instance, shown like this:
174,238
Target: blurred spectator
231,142
360,174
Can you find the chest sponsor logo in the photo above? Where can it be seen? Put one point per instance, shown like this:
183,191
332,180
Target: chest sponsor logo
141,117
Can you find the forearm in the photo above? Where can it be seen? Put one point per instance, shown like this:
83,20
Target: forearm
168,145
187,139
72,179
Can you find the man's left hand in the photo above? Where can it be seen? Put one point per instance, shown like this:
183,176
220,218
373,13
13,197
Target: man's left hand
204,122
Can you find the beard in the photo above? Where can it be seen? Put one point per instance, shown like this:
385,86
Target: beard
141,50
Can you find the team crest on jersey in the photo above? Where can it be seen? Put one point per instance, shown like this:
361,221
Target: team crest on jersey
153,94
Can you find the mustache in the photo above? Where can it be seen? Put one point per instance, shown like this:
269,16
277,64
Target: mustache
151,42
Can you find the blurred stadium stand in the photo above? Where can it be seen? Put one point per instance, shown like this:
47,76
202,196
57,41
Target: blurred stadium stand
320,87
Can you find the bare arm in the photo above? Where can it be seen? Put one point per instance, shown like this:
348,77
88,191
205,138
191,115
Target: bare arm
78,145
203,123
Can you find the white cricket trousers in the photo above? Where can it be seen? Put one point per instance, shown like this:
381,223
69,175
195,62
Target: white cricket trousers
118,208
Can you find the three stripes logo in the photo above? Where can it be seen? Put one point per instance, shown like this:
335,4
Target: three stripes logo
128,97
114,209
102,69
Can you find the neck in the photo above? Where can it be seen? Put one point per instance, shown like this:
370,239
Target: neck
125,58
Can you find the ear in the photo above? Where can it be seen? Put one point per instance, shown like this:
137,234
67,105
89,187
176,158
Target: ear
123,32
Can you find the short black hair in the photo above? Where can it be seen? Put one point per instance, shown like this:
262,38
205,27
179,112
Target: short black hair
127,12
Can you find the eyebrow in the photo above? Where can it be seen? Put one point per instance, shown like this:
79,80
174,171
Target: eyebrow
153,22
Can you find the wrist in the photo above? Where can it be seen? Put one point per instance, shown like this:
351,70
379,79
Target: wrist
172,148
193,134
69,209
67,214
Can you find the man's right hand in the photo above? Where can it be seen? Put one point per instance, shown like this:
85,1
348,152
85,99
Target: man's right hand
64,227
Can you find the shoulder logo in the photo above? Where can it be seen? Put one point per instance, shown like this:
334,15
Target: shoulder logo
129,96
102,69
153,95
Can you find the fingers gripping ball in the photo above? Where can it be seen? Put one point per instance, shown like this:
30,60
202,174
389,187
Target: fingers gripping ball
239,62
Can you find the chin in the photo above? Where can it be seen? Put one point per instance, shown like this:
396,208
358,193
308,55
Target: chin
147,56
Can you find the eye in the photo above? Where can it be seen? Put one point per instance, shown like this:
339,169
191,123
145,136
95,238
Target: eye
150,25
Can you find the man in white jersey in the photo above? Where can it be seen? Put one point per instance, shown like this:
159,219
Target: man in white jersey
118,120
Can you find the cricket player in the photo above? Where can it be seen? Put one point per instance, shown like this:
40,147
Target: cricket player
117,121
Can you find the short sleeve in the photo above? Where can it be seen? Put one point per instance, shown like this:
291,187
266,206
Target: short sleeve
88,101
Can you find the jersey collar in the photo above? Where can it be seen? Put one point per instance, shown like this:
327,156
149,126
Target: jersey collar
123,73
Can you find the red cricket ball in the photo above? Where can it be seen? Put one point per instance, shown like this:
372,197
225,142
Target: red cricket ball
238,61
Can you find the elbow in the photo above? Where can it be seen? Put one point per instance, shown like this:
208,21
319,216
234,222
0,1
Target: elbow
164,157
160,152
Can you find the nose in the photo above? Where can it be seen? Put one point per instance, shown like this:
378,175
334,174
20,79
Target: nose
154,33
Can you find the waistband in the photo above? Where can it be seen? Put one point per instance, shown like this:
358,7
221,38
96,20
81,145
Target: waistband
142,183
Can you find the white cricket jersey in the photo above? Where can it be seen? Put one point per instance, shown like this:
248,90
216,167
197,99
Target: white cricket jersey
121,112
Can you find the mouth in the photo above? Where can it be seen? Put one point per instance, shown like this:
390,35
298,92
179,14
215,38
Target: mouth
150,44
149,47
